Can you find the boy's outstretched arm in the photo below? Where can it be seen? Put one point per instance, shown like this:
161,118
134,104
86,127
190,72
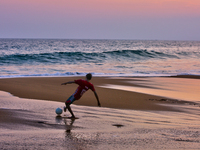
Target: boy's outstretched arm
97,99
69,82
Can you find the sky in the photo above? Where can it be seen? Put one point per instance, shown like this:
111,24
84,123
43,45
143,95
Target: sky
101,19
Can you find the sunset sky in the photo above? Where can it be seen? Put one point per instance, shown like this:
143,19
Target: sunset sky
101,19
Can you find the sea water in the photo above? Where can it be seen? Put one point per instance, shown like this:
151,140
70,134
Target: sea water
65,57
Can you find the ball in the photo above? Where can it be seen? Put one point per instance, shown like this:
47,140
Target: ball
59,111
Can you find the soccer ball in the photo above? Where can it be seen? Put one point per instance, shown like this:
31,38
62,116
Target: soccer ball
59,111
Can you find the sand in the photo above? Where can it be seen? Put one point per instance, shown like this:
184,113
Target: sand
126,120
50,88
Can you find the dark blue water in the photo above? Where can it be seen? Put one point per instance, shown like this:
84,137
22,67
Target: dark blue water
47,57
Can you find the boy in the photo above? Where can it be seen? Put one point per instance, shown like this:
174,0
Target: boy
84,85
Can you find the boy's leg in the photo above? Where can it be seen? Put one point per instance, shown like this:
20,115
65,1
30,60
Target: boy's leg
68,102
69,108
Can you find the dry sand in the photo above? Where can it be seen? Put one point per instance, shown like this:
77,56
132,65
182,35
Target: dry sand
49,88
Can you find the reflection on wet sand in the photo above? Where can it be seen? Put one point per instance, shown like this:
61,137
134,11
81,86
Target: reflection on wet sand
33,124
69,127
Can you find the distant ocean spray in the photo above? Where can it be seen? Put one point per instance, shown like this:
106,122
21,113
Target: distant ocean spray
48,57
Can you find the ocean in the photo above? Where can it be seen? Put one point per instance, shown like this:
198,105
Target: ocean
70,57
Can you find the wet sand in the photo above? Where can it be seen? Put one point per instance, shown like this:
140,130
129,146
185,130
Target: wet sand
33,124
143,121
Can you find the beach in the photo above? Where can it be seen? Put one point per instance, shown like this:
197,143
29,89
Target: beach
50,88
126,120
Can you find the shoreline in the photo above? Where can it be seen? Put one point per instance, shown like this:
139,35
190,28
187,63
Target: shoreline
103,76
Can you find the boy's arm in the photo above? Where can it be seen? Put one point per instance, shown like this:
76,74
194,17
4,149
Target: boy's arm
97,99
69,82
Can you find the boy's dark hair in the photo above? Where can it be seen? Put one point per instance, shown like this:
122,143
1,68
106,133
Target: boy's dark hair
89,76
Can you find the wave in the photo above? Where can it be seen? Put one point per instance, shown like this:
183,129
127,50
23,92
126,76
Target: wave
57,57
141,53
96,57
47,75
69,74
